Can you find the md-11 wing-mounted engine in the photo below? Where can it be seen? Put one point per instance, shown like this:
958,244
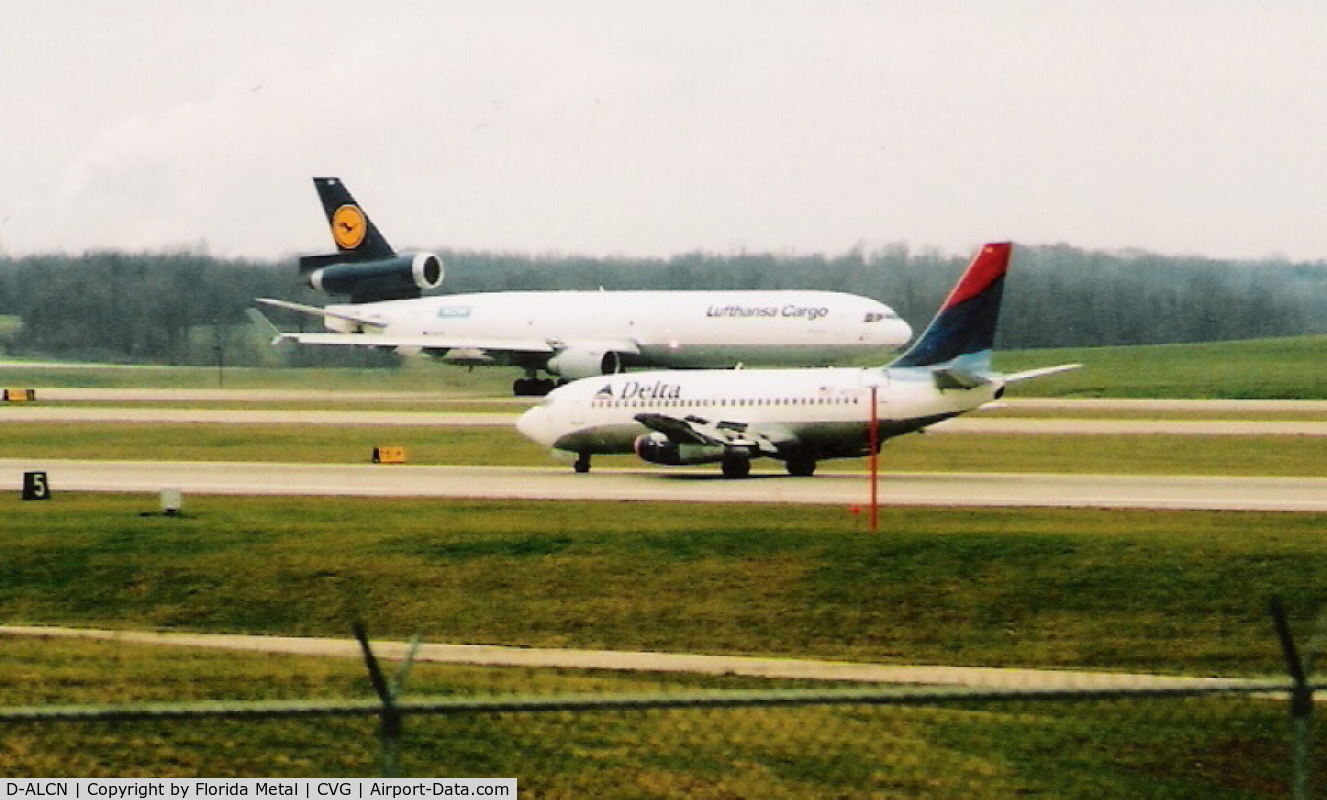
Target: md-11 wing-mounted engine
584,362
588,359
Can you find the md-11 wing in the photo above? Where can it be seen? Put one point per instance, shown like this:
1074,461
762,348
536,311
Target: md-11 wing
426,341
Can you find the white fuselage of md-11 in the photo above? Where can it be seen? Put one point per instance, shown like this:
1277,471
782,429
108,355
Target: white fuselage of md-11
675,329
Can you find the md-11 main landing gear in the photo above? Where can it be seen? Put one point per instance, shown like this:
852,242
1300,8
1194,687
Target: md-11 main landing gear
582,464
532,387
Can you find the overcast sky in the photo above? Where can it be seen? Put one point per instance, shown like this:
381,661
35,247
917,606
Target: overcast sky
654,128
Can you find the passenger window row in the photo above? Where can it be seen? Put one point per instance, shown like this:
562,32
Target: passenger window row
728,403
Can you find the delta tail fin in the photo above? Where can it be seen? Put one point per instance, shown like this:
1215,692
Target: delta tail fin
961,336
355,235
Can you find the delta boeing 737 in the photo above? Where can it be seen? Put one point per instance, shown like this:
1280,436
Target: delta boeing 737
798,416
570,334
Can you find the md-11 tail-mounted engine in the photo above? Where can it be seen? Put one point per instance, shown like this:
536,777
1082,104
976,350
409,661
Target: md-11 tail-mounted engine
397,278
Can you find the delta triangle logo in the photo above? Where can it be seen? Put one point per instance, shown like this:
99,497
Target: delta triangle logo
605,393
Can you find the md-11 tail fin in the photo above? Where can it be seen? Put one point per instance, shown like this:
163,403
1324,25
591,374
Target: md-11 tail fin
355,235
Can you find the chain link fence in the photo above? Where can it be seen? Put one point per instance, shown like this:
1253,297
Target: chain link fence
1224,739
1004,734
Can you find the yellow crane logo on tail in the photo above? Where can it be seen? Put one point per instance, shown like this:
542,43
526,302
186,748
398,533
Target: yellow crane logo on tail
349,227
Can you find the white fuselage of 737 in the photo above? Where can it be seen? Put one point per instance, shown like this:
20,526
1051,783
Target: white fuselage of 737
821,413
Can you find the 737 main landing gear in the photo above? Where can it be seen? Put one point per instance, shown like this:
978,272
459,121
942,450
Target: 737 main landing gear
736,465
582,464
801,467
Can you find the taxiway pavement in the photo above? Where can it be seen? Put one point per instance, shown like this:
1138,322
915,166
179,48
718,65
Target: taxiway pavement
972,424
541,657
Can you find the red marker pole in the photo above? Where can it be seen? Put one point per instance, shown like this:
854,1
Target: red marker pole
874,444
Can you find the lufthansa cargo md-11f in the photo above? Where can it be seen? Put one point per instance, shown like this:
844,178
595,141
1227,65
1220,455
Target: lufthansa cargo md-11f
571,334
799,416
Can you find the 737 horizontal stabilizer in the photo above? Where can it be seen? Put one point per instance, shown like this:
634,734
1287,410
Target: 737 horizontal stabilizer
950,378
1037,373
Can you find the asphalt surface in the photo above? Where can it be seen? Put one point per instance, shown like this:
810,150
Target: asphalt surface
968,424
701,486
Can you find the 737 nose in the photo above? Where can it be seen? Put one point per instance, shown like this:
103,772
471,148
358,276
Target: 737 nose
536,424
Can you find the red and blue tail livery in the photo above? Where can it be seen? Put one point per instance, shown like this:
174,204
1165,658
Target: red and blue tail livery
963,331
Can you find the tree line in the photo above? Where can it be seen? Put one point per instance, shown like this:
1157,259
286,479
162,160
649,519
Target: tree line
187,308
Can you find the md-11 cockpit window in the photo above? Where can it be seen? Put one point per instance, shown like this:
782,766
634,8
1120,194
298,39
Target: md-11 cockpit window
876,316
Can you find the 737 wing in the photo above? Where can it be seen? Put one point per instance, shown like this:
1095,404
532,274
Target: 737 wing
737,435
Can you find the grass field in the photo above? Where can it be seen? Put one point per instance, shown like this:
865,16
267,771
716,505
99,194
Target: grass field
1170,591
1288,369
1174,592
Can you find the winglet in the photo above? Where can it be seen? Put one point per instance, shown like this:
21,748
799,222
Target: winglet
264,325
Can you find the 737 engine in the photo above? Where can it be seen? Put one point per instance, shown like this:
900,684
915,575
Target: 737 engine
657,448
396,278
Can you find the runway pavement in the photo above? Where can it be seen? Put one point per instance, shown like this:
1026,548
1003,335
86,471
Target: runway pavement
698,485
